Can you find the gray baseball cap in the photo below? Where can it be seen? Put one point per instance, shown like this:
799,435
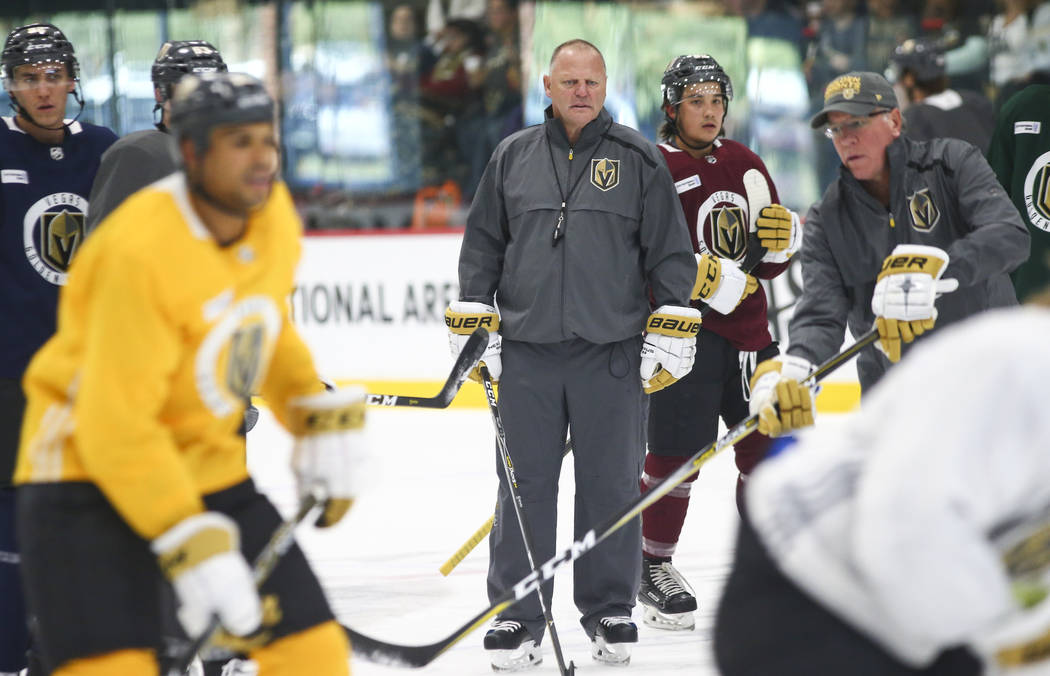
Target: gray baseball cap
856,93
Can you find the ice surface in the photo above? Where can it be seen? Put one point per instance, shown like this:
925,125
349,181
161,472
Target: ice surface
431,484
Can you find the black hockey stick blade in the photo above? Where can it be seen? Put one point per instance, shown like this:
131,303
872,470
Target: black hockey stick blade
414,657
393,654
467,359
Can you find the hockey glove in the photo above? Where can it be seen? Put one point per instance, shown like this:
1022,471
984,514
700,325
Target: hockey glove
780,232
905,291
721,283
201,555
669,347
461,318
329,448
778,396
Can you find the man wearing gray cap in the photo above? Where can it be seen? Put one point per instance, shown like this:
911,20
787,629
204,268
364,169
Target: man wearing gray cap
904,222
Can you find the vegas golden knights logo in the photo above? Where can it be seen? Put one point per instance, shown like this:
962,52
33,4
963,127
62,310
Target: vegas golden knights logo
729,231
924,213
245,355
1041,192
61,233
605,173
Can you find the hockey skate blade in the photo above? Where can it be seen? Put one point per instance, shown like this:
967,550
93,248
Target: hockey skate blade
612,654
525,656
668,621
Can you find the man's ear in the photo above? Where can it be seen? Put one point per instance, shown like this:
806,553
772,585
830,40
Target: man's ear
188,150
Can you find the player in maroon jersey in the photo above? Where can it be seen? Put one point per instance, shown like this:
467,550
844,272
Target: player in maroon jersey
709,173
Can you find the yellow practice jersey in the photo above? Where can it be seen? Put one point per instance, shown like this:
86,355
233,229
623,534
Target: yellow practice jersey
163,335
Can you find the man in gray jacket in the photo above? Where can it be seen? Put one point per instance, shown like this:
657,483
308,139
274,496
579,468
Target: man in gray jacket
901,216
575,225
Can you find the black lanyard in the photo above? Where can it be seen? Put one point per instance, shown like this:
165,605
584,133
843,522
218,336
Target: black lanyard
559,227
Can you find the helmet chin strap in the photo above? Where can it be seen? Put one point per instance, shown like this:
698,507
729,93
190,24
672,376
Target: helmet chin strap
23,113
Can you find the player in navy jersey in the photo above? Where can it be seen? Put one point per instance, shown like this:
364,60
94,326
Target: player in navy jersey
710,174
47,164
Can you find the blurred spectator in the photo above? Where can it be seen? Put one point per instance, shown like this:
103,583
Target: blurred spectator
1008,48
932,109
778,19
838,47
404,59
501,113
448,95
962,34
888,26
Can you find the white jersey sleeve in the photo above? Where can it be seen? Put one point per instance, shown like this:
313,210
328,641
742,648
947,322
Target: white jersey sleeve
887,517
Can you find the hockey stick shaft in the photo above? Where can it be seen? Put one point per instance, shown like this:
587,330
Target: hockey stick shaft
468,546
479,535
519,512
418,656
277,546
468,357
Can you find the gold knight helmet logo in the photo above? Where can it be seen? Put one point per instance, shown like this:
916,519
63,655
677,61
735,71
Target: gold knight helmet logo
729,230
924,212
605,173
60,234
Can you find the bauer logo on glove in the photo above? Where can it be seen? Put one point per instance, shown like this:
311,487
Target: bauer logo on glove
669,347
905,291
462,318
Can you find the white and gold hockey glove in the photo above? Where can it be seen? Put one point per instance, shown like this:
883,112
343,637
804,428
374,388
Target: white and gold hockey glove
780,232
462,318
721,283
905,291
779,397
670,346
329,448
201,556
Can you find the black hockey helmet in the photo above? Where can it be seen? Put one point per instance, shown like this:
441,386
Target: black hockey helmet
690,69
37,43
177,58
203,101
923,58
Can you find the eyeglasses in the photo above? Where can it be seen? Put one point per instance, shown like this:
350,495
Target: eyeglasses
834,131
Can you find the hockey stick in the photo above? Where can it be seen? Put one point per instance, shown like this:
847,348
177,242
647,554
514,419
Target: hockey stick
267,559
468,356
480,534
758,197
519,512
417,656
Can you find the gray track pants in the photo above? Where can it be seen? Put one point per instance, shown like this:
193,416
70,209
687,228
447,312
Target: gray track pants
594,391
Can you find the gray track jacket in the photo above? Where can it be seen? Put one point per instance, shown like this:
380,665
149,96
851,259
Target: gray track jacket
942,194
623,227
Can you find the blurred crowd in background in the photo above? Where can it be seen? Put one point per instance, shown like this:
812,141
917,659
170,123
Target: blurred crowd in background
390,110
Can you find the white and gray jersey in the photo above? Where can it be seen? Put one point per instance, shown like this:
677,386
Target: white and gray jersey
942,194
130,164
622,234
894,518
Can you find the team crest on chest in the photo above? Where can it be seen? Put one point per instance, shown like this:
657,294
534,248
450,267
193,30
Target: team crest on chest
52,232
722,221
605,173
924,212
57,153
233,357
1037,192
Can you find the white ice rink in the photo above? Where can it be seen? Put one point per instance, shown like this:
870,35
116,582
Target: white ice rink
432,483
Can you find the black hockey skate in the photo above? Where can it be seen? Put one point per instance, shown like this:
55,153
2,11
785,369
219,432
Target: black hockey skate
667,599
612,641
511,647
